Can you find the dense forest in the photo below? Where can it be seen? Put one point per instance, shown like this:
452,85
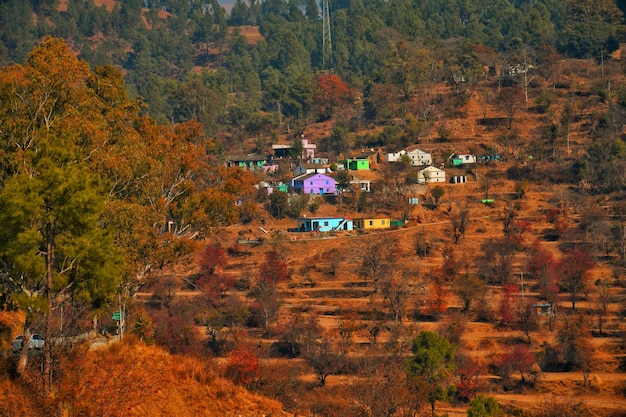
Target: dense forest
121,218
161,46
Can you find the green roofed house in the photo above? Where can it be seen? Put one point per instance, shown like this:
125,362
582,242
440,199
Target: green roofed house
462,159
249,162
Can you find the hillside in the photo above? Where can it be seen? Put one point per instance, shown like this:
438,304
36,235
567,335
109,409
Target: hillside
134,197
134,380
327,285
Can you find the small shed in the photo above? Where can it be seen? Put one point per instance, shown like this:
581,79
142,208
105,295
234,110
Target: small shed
542,309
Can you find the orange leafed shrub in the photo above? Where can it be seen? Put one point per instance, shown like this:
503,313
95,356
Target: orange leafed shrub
18,400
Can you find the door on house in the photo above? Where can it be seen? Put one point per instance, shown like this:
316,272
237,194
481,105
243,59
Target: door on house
316,226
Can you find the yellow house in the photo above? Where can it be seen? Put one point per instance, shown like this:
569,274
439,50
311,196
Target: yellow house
365,224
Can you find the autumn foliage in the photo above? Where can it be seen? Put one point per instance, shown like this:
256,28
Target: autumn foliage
135,380
274,269
243,364
331,92
519,359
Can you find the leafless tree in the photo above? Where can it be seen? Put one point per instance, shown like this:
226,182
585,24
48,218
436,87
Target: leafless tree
601,299
422,243
324,359
521,69
510,102
376,256
382,389
396,289
459,218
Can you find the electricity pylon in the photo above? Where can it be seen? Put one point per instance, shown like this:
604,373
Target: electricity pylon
327,46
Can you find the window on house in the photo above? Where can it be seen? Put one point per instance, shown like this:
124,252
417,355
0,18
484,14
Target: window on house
325,223
371,222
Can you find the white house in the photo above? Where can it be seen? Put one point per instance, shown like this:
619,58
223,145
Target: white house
463,158
430,175
420,158
395,156
311,169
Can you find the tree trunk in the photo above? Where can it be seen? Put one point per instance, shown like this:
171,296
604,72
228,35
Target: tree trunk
47,358
22,362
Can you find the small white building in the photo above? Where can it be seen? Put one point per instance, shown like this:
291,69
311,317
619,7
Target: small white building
395,156
311,169
420,158
320,161
363,185
430,175
463,158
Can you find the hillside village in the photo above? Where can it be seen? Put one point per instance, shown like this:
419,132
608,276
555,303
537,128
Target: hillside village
476,197
432,228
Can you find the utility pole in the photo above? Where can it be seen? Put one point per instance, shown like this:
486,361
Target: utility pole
327,47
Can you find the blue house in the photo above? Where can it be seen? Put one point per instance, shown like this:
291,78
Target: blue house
324,224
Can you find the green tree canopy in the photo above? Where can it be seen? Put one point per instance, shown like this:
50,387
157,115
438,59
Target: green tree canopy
433,362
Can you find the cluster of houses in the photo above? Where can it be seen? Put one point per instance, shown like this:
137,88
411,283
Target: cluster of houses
315,177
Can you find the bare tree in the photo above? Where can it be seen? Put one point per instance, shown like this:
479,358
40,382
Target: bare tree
383,389
602,298
422,243
521,69
459,218
376,256
324,359
619,231
396,289
555,407
509,101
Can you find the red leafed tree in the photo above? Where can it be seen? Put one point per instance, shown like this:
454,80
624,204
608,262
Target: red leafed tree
559,217
216,284
519,359
542,267
330,93
213,260
469,371
274,269
243,364
441,296
507,305
573,269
